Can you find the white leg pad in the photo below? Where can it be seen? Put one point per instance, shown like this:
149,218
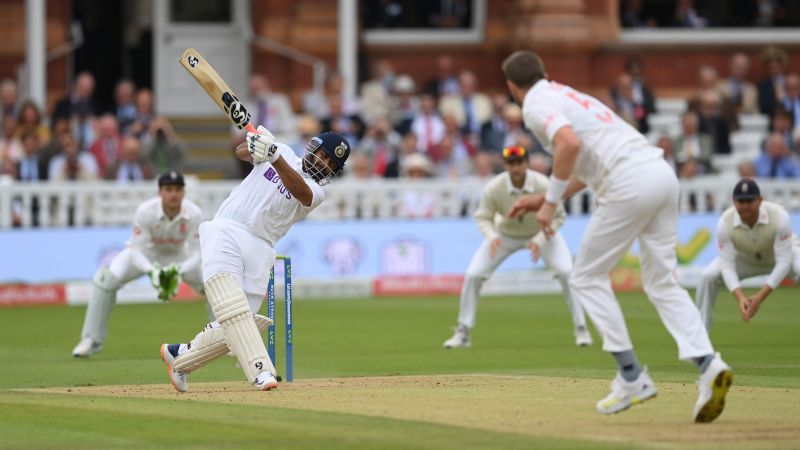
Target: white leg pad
229,303
209,345
104,295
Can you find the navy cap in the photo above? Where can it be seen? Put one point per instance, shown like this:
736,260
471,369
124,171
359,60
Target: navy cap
171,178
746,189
335,146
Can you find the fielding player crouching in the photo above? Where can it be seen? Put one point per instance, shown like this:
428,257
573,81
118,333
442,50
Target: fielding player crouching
165,244
238,250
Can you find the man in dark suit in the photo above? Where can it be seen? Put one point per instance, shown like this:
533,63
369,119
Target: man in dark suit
772,90
79,102
31,168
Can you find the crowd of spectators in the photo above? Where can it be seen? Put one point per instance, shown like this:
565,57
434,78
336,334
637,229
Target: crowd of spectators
708,13
449,126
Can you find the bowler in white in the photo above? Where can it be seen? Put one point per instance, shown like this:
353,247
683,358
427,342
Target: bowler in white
637,199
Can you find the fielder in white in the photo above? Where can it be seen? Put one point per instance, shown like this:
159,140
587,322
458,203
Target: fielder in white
165,245
637,195
238,250
754,238
505,236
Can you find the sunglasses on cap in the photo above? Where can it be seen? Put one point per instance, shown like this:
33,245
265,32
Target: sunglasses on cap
515,152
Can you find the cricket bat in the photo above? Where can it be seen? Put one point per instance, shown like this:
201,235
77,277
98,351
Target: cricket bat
216,88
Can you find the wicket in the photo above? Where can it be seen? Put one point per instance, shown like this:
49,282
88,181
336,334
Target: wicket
287,279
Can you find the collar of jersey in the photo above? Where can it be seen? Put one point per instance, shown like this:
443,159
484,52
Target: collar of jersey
763,217
527,186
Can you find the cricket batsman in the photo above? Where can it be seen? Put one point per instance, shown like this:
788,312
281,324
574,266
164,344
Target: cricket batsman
165,245
238,248
754,237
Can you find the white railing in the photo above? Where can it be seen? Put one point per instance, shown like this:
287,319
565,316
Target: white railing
99,203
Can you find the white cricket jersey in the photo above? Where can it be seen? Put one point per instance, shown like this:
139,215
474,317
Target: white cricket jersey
154,233
264,205
606,139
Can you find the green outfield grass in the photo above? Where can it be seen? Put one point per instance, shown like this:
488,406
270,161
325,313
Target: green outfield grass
515,336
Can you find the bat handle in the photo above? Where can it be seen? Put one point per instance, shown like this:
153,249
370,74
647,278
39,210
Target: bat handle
249,127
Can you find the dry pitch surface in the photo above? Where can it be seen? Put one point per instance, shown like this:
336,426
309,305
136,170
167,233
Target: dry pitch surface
755,417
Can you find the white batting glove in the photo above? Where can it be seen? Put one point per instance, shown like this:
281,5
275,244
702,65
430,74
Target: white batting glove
262,146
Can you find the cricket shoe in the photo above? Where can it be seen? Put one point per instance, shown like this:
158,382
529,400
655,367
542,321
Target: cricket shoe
624,394
178,379
714,385
265,382
582,337
460,338
86,348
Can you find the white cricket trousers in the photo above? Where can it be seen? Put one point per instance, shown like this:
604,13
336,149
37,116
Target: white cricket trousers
711,281
230,247
640,201
553,252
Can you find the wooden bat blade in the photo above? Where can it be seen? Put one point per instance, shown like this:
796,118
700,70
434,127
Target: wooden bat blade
216,88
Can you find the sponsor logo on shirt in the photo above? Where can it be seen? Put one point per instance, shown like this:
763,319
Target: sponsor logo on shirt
272,176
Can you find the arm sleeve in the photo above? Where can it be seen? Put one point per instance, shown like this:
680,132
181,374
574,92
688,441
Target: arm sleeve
484,216
727,256
783,250
192,247
140,241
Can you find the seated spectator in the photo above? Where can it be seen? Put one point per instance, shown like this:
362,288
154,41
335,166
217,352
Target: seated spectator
108,145
380,146
29,169
307,127
493,131
746,169
9,101
10,144
463,146
144,114
626,105
709,85
686,15
791,102
49,150
124,106
772,89
713,123
72,164
351,126
79,101
316,101
131,166
540,163
408,146
470,107
446,81
270,109
451,163
741,92
360,168
642,94
405,103
666,144
776,161
376,93
691,145
427,125
164,150
417,203
30,120
484,166
782,125
83,128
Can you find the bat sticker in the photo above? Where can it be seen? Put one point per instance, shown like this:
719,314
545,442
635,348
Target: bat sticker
238,113
192,60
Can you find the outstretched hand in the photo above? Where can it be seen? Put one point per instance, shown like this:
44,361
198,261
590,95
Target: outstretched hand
526,204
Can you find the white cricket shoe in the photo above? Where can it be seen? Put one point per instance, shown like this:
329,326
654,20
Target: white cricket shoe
624,394
86,348
178,379
265,382
460,338
582,337
714,385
